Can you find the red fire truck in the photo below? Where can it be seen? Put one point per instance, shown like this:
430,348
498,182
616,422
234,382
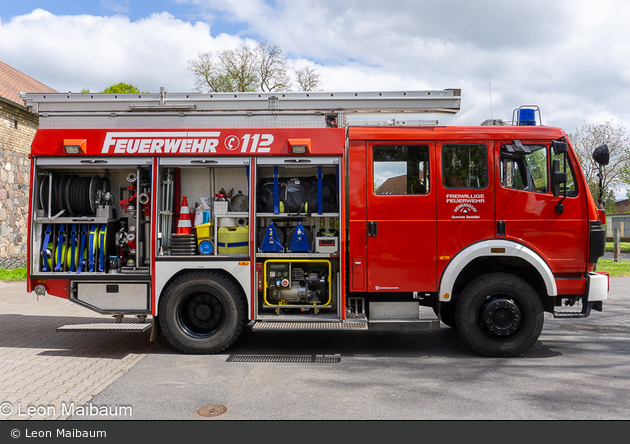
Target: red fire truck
323,211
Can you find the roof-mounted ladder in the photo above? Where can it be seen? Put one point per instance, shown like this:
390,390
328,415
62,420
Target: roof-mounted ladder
223,110
434,102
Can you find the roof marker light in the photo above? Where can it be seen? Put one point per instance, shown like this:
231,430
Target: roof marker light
300,146
74,146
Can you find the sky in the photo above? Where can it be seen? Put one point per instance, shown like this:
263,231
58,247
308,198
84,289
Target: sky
571,58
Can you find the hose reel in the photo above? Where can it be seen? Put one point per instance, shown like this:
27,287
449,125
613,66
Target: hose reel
72,194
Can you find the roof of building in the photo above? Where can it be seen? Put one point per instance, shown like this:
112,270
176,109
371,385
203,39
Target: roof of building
394,185
13,82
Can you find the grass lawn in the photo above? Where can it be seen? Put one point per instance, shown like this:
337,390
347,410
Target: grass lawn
12,274
625,246
615,269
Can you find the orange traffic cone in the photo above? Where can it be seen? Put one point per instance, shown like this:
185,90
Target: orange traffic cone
184,226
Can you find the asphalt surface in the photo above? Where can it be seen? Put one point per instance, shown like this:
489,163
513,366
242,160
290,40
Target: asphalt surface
578,370
49,371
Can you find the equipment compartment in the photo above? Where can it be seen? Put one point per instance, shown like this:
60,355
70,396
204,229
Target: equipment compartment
91,219
297,286
106,297
203,208
298,208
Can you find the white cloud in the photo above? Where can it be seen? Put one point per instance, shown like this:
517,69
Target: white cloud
82,51
572,58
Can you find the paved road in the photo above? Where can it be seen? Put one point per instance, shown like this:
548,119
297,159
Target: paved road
578,370
46,370
622,256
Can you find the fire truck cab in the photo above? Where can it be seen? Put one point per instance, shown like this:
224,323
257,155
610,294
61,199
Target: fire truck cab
212,212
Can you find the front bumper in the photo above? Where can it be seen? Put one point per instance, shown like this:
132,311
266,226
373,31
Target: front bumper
597,287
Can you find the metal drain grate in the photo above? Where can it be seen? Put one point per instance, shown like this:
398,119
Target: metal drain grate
211,410
317,359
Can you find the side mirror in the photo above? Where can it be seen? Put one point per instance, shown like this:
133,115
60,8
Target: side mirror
559,147
601,155
557,177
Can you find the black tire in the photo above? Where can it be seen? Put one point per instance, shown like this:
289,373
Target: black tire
447,312
202,312
499,315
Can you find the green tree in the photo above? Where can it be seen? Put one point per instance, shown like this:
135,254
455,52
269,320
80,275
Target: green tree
614,175
272,67
209,73
118,88
123,88
239,68
608,197
308,79
263,67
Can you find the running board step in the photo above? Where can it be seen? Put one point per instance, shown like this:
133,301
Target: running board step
569,314
106,327
372,324
586,311
277,325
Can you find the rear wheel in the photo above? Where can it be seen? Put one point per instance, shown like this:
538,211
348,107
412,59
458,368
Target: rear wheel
202,312
499,315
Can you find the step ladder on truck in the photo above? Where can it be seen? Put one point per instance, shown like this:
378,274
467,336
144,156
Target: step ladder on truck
202,213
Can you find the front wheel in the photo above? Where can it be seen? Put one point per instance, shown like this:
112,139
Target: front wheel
499,315
202,312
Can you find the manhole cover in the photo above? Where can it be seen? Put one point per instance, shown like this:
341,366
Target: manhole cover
211,410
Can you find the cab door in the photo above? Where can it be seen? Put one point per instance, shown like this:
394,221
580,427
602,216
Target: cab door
527,209
401,217
465,197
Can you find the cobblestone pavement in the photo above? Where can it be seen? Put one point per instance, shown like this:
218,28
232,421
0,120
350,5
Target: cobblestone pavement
44,374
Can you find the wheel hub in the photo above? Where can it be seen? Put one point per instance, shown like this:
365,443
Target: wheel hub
501,316
201,313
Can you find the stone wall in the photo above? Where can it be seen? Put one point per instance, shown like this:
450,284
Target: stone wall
17,129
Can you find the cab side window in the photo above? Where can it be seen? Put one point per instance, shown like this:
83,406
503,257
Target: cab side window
465,166
401,169
565,167
525,170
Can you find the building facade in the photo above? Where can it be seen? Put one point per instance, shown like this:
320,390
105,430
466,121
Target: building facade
17,129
